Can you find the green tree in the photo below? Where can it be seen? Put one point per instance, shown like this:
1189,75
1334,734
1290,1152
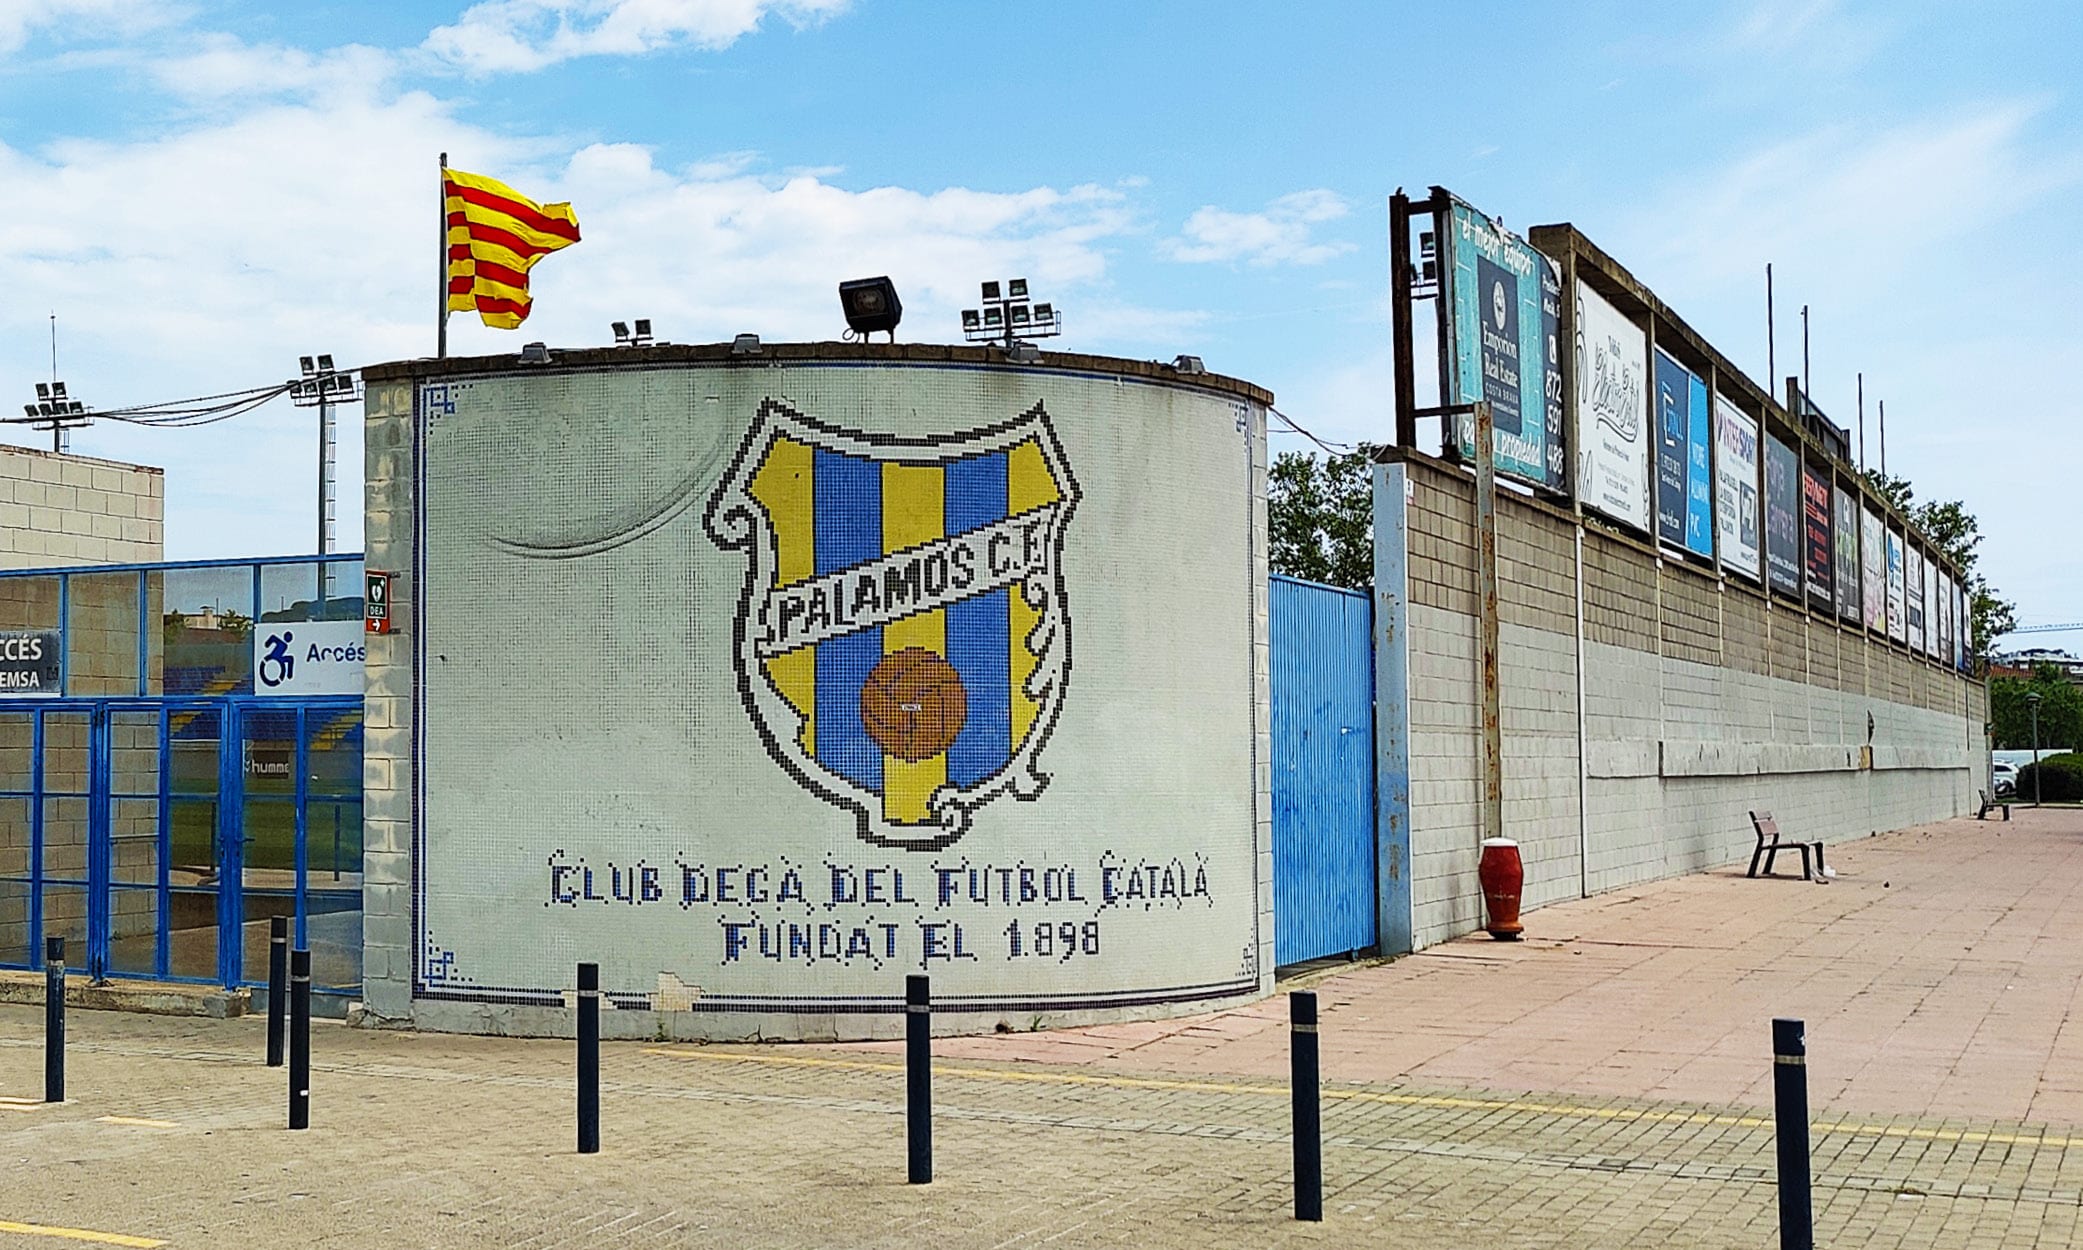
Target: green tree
1953,530
1320,512
2061,710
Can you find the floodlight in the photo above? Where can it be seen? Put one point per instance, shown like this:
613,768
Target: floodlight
1019,314
57,390
994,316
971,319
29,409
871,304
745,345
621,329
991,292
643,327
1427,245
1045,312
304,363
43,390
535,354
1016,288
1189,364
325,364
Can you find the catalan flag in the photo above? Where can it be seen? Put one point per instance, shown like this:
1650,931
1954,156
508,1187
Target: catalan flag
495,234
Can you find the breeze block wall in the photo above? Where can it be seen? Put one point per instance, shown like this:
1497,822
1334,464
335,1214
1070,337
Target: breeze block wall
1703,699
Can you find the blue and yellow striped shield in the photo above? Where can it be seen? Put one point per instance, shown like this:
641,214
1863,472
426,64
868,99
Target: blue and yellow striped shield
903,640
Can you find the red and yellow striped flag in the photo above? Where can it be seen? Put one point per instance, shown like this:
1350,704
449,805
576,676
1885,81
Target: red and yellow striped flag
495,234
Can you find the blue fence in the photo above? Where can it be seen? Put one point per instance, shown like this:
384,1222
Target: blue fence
1324,861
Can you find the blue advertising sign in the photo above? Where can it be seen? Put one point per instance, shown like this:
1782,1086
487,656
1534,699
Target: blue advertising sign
1699,474
1673,427
1505,309
1684,485
1782,516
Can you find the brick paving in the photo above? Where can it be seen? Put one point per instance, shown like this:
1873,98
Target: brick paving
1174,1135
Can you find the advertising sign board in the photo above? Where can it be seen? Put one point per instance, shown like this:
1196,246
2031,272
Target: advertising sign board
1847,552
1673,422
1612,411
1914,562
29,663
1898,619
1736,481
1505,308
1782,516
1819,556
1873,570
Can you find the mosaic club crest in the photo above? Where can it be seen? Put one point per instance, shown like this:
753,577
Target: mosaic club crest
903,640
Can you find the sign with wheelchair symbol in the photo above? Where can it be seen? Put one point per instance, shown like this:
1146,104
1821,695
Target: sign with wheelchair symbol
307,658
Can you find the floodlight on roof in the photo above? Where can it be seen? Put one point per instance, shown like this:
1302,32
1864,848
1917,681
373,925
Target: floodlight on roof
57,390
304,363
535,354
43,390
643,328
745,345
325,364
1016,288
971,319
621,329
871,304
1189,364
991,292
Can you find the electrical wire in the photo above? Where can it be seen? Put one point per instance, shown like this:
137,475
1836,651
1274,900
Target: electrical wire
1290,423
180,413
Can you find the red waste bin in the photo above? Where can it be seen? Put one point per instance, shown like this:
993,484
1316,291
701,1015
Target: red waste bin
1502,876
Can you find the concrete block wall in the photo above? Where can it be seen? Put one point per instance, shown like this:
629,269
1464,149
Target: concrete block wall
387,709
60,509
1703,699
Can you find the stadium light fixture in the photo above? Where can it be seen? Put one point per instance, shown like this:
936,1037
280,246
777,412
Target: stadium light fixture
870,305
54,410
745,345
625,337
1006,317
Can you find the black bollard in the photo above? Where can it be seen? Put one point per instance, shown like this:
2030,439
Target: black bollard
300,1039
278,985
54,1019
918,1077
1302,1084
1790,1115
589,1059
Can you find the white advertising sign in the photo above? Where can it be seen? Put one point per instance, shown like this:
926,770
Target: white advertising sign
307,658
1736,488
1898,613
1612,411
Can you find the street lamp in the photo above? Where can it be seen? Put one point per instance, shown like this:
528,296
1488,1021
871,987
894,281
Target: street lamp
2032,700
320,385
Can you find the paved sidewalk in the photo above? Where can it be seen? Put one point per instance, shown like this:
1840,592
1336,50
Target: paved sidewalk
176,1138
1938,975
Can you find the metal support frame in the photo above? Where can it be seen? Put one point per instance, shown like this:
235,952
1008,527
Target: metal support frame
1487,623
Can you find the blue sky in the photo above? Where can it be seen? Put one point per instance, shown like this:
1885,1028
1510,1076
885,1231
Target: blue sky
203,191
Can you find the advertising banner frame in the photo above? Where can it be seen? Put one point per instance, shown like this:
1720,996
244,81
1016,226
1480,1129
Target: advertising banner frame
1740,509
1818,548
1782,517
1612,377
1515,364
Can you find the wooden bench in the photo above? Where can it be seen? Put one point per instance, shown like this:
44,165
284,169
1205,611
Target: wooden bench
1770,844
1983,812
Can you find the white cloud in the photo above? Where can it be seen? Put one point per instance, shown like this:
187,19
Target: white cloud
497,36
19,19
211,258
1281,234
224,68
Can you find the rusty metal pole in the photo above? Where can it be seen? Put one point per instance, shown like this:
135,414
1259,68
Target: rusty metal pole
1486,613
1400,320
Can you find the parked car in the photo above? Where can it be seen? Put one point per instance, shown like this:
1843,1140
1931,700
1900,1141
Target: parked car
2003,779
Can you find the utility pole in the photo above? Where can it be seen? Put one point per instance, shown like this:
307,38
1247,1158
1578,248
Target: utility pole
320,386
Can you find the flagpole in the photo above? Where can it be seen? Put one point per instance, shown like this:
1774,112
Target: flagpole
441,325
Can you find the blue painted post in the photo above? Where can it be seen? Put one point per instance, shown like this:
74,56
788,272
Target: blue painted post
1790,1116
918,1078
54,1019
1308,1108
1392,710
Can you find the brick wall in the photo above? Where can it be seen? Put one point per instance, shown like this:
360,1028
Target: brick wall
1703,698
57,509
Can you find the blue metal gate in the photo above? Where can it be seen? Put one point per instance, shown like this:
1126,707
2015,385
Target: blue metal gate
1323,771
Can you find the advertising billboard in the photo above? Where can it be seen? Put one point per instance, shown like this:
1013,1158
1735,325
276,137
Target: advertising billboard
1612,412
1873,570
1782,516
1699,474
1673,426
1816,547
1898,619
1847,553
1736,488
1505,308
1913,562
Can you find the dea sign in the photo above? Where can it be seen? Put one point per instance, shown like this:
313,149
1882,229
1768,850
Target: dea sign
307,658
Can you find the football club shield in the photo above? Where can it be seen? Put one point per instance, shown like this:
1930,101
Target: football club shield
903,640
